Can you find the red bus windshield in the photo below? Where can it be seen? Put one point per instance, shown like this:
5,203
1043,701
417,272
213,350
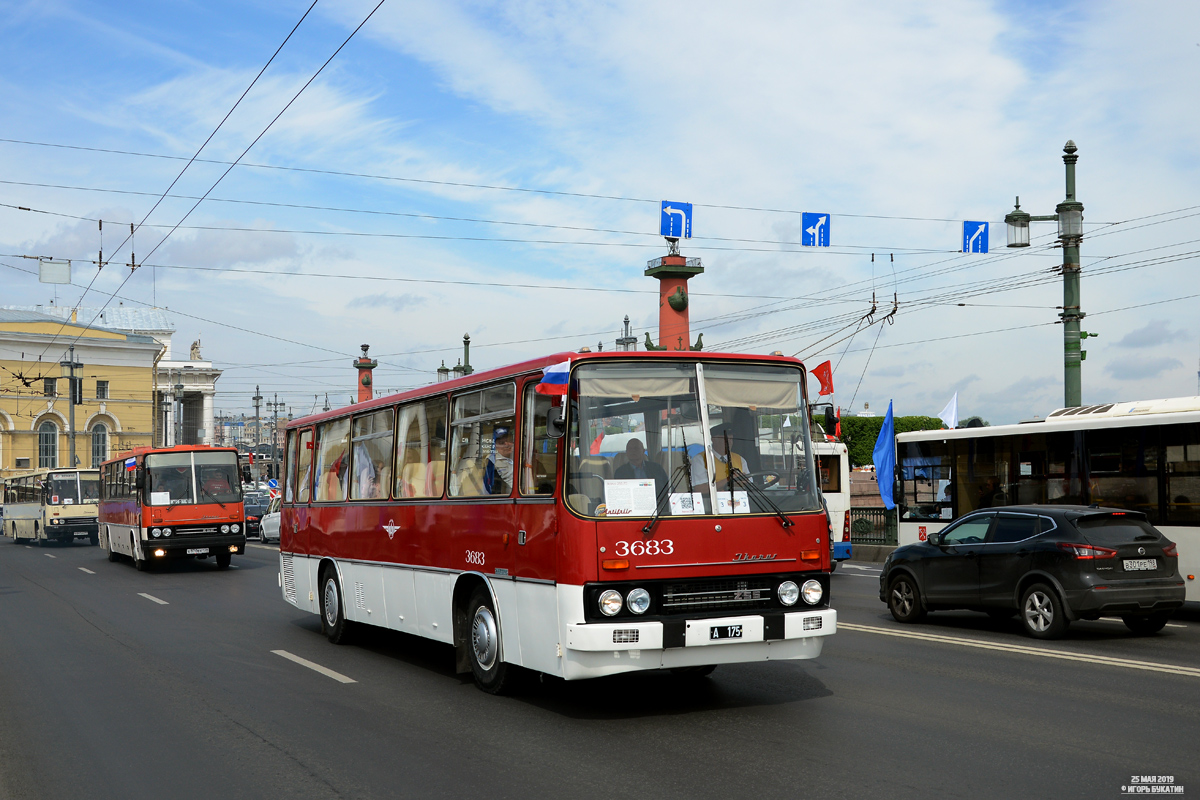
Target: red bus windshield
192,478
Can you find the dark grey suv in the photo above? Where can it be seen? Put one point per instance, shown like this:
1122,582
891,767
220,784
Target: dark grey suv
1049,564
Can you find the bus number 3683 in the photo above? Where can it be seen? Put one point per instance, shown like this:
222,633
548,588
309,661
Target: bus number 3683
475,557
650,547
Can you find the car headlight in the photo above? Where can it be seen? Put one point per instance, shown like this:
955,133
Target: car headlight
235,527
610,603
166,531
224,529
812,592
156,532
789,592
638,600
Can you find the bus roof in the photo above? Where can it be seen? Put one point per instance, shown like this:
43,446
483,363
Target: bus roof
179,448
521,368
1168,411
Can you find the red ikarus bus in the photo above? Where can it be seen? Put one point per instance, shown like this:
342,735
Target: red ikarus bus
561,515
161,503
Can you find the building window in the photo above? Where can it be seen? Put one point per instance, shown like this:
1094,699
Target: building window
49,387
99,444
22,463
101,390
47,445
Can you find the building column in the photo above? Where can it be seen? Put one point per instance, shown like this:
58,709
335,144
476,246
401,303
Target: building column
208,421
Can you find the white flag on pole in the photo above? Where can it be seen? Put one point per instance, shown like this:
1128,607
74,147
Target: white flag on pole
949,414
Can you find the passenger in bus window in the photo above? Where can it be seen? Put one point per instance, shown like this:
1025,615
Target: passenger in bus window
637,467
497,477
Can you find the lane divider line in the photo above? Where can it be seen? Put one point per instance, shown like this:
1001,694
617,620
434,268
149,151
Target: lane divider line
854,575
88,571
1110,661
155,599
48,555
262,547
304,662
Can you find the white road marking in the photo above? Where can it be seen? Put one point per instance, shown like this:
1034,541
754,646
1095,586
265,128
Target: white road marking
855,566
304,662
47,555
263,547
88,571
852,575
1122,622
1173,625
1192,672
27,547
155,599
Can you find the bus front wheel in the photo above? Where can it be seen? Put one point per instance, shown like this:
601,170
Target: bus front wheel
112,556
483,645
223,560
333,621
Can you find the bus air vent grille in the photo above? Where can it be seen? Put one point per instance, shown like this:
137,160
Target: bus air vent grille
360,595
289,578
738,593
626,636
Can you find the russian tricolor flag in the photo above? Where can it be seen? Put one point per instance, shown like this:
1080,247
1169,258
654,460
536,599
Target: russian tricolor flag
130,464
555,380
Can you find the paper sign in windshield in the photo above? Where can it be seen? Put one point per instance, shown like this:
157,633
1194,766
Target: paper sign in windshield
683,504
629,498
738,504
160,498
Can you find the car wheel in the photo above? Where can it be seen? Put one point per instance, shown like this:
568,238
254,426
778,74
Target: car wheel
1146,624
483,645
333,621
904,599
1042,614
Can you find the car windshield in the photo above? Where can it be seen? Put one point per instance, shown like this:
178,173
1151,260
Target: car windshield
195,477
638,439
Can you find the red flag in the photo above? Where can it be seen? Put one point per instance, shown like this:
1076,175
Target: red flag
595,448
824,374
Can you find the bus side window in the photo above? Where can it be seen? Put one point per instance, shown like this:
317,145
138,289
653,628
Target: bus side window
539,452
421,449
289,468
372,445
482,446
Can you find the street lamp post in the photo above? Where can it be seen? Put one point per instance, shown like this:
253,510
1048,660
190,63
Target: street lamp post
1069,216
74,395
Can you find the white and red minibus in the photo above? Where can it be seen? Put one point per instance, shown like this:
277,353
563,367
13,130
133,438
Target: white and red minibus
162,503
486,514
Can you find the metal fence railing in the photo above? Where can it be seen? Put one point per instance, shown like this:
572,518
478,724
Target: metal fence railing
872,526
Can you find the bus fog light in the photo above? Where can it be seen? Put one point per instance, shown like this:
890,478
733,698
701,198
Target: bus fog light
235,527
638,600
610,603
812,592
156,532
224,529
788,593
233,548
159,553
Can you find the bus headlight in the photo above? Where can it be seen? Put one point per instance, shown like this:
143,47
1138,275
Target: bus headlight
610,603
638,600
224,529
789,593
235,527
54,522
812,592
166,531
156,532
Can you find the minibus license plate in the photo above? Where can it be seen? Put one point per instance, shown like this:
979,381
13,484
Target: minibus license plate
1133,564
197,551
725,632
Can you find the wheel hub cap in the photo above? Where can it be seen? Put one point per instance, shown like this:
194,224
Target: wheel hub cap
331,603
1039,611
483,637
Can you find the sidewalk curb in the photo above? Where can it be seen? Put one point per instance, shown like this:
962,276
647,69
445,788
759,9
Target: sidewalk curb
870,552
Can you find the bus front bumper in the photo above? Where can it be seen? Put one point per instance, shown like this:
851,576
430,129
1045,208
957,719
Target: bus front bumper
192,546
68,528
596,649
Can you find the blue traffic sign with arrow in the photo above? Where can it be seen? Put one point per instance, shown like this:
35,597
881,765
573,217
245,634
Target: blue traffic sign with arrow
676,220
816,230
975,237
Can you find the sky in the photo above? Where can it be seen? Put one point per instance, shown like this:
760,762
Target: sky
497,169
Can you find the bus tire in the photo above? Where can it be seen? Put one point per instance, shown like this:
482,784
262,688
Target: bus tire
483,645
904,599
94,539
112,556
333,619
1042,613
223,560
139,564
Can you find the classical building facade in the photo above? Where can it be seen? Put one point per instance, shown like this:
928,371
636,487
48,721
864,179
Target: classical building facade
116,411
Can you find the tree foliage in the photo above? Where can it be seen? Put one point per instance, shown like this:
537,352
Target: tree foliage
860,434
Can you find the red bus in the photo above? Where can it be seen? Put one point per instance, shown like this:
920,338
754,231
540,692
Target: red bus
576,536
161,503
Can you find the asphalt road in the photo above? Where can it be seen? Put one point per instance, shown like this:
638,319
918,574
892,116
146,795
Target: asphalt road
105,692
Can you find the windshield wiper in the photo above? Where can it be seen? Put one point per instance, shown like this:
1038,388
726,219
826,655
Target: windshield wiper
663,495
200,486
736,474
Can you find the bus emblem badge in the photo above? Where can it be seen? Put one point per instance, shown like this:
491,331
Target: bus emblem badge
391,528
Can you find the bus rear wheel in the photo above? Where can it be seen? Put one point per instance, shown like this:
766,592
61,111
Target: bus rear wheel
108,544
333,620
483,645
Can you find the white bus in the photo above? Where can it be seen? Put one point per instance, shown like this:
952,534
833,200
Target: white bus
833,468
1143,456
52,505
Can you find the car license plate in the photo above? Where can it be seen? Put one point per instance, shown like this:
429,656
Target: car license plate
725,632
1134,564
197,551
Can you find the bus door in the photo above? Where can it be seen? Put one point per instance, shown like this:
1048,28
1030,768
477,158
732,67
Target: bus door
295,518
537,521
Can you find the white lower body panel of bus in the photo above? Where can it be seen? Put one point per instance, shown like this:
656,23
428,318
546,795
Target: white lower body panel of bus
542,624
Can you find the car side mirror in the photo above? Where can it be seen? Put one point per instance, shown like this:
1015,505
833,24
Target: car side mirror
556,424
934,539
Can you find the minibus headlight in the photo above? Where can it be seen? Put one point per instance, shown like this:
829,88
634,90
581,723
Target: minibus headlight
166,531
789,593
235,527
156,532
224,529
638,600
812,592
610,603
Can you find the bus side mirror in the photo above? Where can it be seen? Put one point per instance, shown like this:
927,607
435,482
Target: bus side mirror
830,421
556,424
139,478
